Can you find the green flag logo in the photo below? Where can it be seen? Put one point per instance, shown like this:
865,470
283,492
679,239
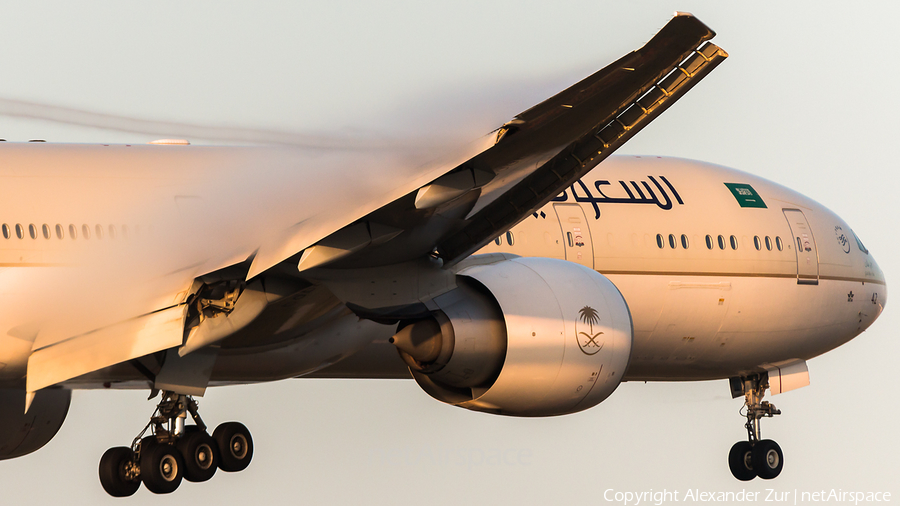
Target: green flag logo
746,195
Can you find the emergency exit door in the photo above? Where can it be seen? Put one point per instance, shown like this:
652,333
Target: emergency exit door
805,245
576,234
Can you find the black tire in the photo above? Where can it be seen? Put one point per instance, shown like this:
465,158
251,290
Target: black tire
162,468
201,455
147,442
235,446
113,475
767,459
740,461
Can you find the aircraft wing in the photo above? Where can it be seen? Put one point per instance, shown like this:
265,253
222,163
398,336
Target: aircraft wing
103,347
445,210
536,155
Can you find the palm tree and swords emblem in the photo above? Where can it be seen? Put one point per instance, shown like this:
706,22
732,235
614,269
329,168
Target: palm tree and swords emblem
587,341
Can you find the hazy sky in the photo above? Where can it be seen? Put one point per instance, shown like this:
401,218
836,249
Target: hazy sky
806,99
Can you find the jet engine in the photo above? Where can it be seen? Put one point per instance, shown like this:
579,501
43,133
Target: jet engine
22,433
522,337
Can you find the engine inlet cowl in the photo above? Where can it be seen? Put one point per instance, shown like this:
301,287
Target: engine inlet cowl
522,337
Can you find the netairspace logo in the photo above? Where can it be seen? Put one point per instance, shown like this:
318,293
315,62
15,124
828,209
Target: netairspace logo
770,495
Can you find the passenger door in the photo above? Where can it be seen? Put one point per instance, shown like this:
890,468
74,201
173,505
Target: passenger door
576,234
805,243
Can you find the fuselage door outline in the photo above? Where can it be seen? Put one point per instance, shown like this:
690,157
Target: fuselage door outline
578,246
805,244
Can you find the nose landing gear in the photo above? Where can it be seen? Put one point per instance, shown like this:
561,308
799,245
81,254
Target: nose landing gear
174,451
755,457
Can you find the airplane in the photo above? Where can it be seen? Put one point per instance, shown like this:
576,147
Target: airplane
519,276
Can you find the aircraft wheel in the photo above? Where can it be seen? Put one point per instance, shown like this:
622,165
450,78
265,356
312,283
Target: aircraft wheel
235,446
200,453
162,468
740,461
114,472
767,459
147,443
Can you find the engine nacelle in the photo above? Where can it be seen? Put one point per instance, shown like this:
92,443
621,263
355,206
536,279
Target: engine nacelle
522,337
22,433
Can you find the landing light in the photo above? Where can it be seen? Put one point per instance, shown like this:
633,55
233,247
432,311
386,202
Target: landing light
171,142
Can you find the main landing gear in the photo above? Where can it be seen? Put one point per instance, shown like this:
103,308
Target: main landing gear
174,451
755,457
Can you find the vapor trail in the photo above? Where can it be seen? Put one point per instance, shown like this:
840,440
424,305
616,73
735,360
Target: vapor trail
67,115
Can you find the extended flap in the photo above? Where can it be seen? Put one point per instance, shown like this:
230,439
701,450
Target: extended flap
105,347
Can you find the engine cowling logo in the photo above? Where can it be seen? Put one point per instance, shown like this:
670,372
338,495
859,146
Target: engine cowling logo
588,341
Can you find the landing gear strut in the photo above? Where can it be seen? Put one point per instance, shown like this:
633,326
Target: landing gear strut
755,457
174,451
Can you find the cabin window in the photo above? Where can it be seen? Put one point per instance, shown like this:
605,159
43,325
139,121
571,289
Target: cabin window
497,241
768,243
672,241
86,231
99,231
659,241
509,238
799,245
757,242
569,239
6,231
112,231
32,231
734,242
73,232
709,243
779,244
721,242
60,233
45,229
20,231
684,241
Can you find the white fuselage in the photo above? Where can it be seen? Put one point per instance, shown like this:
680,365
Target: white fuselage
704,312
699,312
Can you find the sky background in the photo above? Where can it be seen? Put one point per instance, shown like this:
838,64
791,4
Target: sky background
807,99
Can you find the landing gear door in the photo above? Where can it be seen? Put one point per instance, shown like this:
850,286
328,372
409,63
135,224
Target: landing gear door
805,245
576,234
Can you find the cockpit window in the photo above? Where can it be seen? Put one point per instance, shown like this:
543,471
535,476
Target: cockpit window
860,244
